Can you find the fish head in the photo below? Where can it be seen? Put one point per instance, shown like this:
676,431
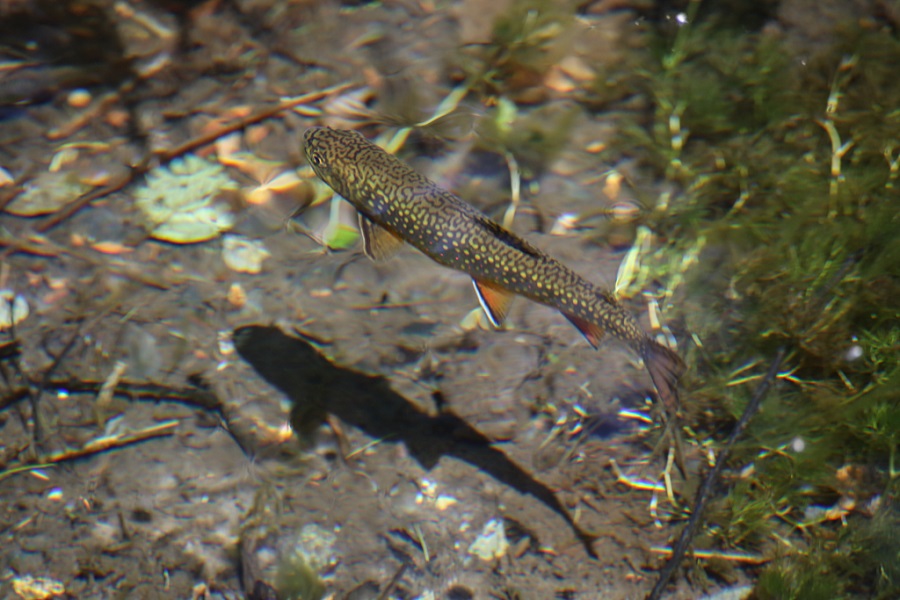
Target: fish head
330,153
319,150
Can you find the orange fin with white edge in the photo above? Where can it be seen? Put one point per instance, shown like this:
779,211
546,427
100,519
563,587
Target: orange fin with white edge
665,367
592,332
494,300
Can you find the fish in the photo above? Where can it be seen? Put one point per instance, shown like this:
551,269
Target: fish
398,205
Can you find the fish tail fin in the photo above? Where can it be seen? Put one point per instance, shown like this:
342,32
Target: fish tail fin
665,367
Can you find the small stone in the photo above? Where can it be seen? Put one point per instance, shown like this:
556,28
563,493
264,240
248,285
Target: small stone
5,177
492,543
237,297
242,254
79,98
13,309
37,588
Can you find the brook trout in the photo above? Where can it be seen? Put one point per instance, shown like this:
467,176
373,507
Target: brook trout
396,205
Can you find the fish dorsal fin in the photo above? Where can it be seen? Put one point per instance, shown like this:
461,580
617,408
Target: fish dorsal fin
378,242
591,331
494,300
507,237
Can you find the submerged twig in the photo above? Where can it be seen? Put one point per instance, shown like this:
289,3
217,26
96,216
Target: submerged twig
393,582
118,440
212,136
70,209
152,391
42,246
192,144
706,489
101,444
737,557
703,494
105,395
97,109
38,385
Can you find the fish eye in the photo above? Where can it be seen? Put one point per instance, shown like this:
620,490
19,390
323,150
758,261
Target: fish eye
317,160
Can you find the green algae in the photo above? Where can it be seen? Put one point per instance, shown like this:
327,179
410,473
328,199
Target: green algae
785,192
776,231
529,38
185,202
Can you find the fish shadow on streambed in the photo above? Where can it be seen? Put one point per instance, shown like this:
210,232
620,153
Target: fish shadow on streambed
316,385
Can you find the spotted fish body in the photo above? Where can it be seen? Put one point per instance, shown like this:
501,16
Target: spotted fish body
397,204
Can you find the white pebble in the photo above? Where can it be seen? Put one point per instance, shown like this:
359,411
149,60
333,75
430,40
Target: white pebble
13,309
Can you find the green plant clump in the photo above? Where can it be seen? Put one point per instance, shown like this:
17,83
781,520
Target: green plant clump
783,225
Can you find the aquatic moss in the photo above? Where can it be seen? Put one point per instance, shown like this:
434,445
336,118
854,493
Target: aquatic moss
527,40
784,180
302,564
184,202
534,137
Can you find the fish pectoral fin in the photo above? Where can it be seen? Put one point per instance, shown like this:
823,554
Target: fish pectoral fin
378,242
592,332
494,300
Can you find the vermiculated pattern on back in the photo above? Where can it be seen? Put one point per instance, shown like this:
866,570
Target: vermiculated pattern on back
453,233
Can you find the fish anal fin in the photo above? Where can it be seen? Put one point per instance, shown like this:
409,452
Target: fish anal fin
378,243
592,332
494,300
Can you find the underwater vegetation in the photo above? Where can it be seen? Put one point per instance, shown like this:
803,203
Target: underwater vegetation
775,235
183,202
778,230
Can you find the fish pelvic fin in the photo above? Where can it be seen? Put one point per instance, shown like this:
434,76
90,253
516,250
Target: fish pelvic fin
495,301
378,243
665,367
592,332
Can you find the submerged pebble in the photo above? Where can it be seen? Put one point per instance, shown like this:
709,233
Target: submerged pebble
242,254
492,542
13,309
145,358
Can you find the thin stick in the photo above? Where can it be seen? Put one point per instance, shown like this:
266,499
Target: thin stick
96,446
712,478
150,391
393,582
212,136
37,387
71,209
739,557
114,441
752,407
184,148
42,246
